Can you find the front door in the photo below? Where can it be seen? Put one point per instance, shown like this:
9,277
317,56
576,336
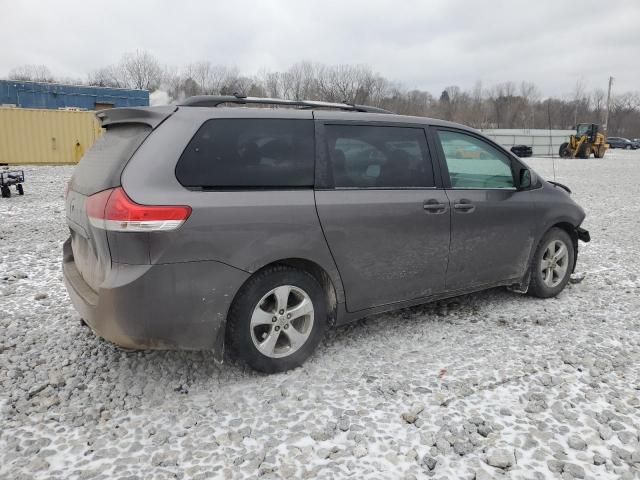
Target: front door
385,222
491,221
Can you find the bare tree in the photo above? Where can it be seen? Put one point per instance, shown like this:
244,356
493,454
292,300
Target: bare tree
598,104
624,108
299,82
450,100
141,70
110,76
272,83
33,73
503,105
211,79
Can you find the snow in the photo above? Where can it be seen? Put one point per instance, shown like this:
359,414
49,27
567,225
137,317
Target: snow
489,373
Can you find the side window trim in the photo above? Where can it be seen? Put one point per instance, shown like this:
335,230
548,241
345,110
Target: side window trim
442,161
324,171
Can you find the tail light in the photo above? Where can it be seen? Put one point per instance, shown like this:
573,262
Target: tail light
113,210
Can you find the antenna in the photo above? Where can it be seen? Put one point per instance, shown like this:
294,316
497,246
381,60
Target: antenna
606,116
553,157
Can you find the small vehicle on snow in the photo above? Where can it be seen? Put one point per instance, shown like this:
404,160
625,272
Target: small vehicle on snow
10,178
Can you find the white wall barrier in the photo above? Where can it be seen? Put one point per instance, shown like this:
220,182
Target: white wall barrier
545,143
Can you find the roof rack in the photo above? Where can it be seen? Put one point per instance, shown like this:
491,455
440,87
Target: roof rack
216,100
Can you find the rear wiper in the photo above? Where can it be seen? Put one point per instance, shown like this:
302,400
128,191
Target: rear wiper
557,184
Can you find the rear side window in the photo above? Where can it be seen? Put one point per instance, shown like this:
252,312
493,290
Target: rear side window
249,153
379,157
102,165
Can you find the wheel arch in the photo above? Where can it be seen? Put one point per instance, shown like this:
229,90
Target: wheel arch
321,275
332,295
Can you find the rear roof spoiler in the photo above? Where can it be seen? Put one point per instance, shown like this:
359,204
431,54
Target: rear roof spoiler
152,116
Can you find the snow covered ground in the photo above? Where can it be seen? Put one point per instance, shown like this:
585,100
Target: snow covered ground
490,385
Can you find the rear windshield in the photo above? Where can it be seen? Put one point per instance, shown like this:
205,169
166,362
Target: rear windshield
249,153
102,165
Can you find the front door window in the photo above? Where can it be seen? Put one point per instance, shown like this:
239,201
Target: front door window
474,163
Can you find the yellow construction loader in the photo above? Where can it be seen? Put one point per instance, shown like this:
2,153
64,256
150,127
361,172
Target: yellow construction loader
589,138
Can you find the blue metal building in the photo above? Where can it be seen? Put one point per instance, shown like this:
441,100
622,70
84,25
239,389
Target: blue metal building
55,96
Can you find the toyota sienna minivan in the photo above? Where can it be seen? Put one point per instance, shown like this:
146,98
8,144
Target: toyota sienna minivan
213,225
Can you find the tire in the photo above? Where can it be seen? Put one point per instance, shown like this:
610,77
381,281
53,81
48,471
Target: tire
585,151
564,150
599,153
6,192
20,189
258,300
628,147
549,282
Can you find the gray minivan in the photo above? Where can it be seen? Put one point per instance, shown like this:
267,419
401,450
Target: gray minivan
206,225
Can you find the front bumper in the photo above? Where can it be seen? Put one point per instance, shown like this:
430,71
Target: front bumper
583,235
181,306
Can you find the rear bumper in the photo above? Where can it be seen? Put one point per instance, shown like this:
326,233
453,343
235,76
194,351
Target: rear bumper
180,306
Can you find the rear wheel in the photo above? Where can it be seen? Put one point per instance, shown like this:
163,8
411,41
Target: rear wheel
564,150
628,147
277,319
552,264
20,189
6,193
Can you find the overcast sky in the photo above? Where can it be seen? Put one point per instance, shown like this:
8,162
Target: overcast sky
421,44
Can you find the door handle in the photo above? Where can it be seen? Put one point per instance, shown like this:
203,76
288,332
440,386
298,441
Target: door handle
464,206
434,206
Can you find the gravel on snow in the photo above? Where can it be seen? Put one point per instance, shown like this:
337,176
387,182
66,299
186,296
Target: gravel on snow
489,385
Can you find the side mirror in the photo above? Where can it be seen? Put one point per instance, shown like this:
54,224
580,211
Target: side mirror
524,179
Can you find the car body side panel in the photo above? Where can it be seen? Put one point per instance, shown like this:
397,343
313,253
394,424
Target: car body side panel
245,228
553,205
492,242
387,247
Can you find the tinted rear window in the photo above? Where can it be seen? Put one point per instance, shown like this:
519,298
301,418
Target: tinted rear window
379,157
102,165
249,153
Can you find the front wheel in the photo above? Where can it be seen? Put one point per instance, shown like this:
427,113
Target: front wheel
628,147
564,150
552,264
277,320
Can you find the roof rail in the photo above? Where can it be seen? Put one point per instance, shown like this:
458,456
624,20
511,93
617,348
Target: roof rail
216,100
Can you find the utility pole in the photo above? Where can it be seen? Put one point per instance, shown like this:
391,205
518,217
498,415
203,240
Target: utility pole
606,115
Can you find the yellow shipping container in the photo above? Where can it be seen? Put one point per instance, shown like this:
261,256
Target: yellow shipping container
39,136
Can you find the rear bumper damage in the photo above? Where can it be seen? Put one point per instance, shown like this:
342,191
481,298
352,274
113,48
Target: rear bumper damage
181,306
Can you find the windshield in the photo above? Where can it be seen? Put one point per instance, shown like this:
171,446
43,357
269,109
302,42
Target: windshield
583,129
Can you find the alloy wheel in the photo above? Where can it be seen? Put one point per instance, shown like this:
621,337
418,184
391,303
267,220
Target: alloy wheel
282,321
554,263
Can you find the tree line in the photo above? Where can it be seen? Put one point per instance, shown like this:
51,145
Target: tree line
503,105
